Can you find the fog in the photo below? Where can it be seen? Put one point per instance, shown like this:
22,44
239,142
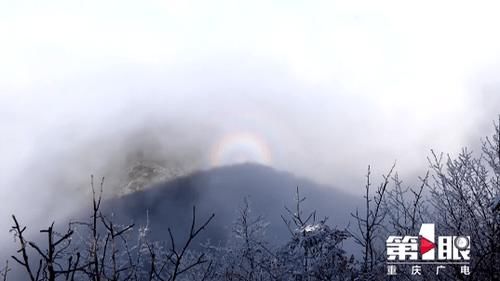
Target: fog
319,89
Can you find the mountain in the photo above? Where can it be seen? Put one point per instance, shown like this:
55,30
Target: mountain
144,174
221,191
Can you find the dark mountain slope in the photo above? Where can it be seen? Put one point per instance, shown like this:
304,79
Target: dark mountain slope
221,191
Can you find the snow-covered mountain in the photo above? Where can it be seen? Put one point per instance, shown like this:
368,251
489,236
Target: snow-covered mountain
145,174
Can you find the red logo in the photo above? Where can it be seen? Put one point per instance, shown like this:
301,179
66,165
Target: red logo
426,245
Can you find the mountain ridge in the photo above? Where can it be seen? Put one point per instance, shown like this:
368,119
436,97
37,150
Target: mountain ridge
221,190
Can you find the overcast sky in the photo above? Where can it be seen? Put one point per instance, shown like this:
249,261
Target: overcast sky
318,88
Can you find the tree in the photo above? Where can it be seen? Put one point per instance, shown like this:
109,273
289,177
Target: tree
314,251
463,192
246,255
100,249
4,272
370,226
